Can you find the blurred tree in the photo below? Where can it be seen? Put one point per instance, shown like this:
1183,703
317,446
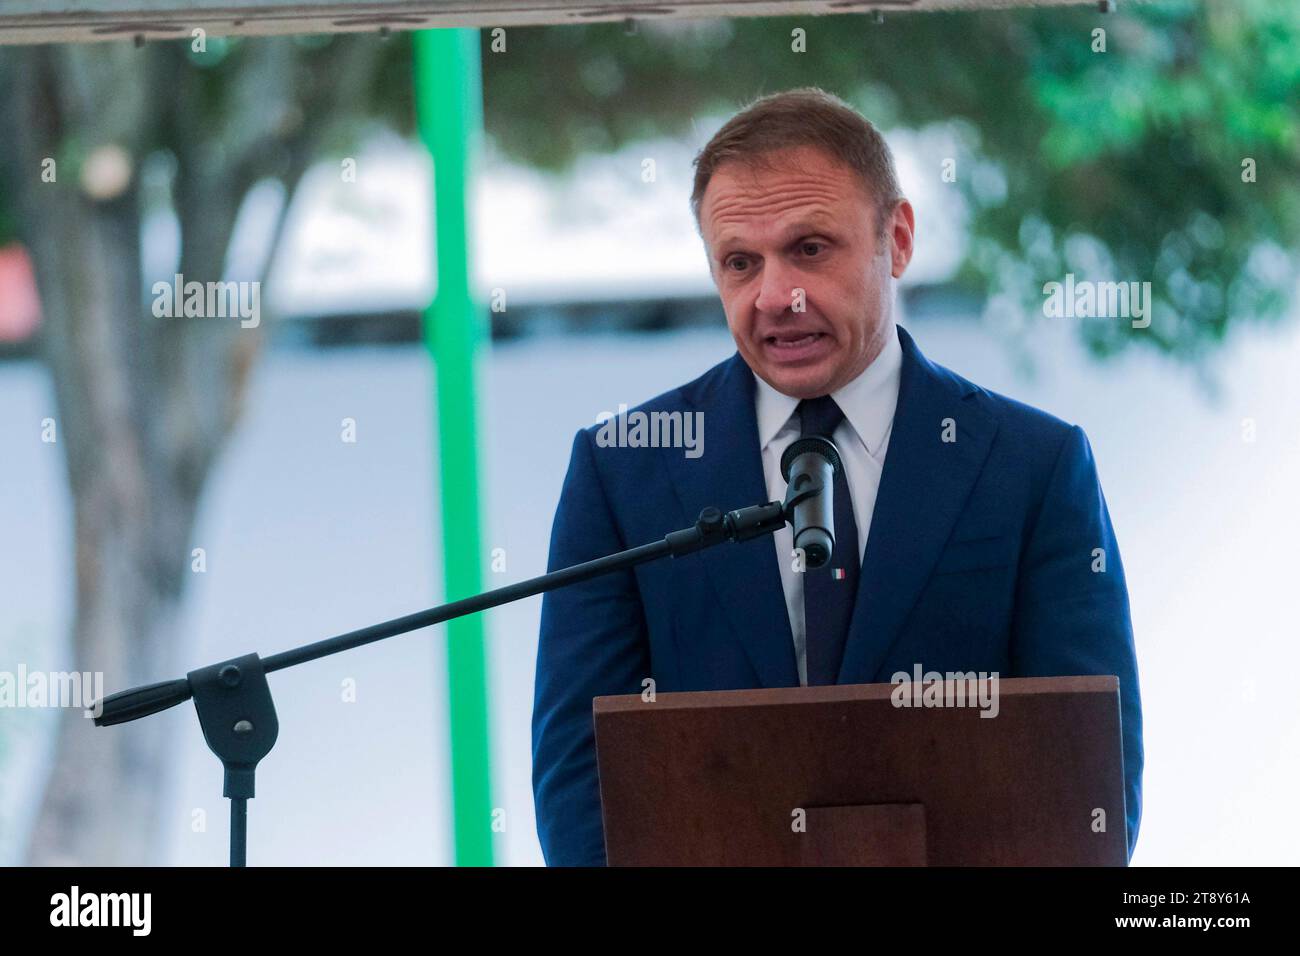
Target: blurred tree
145,403
1125,164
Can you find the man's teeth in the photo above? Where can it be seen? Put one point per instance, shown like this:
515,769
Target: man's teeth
792,343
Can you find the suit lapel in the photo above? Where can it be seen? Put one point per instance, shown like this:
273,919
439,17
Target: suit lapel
924,486
745,576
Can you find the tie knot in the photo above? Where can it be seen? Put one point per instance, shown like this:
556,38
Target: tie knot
819,416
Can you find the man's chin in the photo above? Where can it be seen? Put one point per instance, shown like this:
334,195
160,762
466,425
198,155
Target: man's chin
810,382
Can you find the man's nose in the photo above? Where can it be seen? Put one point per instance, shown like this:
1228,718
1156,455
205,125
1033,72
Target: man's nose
777,287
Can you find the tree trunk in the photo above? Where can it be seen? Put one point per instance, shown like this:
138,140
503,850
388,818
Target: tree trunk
143,405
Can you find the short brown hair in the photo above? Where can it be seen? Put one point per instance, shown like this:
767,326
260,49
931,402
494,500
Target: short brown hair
807,116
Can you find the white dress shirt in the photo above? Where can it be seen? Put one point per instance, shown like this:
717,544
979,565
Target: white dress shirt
868,403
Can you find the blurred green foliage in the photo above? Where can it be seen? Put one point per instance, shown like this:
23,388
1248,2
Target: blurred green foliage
1122,165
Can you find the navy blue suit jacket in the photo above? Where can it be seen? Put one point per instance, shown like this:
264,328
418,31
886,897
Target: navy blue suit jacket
979,558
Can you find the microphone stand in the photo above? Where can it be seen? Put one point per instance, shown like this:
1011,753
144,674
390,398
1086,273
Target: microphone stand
233,699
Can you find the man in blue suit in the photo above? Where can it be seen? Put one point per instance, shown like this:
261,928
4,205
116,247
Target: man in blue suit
971,529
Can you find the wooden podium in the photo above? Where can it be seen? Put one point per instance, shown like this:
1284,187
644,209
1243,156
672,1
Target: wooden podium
842,776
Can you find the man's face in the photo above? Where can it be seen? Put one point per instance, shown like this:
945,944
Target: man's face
807,288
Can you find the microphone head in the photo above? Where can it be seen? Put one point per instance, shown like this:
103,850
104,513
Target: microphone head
814,444
817,547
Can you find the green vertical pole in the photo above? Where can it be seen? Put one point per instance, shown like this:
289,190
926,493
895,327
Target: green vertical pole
448,88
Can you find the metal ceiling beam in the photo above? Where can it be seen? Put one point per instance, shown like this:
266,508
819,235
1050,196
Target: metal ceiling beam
65,21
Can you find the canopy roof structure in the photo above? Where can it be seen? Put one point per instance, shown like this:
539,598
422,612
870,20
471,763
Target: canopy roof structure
65,21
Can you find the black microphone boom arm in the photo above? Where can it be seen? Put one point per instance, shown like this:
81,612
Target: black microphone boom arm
234,703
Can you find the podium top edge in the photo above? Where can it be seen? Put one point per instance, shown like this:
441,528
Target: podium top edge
833,693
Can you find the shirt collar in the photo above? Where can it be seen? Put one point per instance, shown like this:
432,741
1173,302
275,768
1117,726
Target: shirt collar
868,401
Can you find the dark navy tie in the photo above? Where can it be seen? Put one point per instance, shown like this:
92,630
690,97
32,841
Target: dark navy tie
829,592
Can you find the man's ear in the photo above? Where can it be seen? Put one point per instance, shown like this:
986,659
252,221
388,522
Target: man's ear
902,237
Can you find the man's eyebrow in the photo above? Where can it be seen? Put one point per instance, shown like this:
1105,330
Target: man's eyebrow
793,231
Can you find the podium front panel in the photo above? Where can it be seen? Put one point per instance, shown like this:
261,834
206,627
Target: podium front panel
739,777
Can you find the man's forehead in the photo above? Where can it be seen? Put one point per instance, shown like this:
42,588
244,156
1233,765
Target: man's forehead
782,198
784,216
800,223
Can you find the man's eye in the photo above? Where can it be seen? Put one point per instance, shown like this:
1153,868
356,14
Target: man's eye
734,260
814,245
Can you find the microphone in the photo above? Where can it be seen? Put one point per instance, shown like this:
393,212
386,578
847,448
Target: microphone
809,467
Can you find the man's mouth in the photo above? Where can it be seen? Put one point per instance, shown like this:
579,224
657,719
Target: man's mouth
793,340
797,348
